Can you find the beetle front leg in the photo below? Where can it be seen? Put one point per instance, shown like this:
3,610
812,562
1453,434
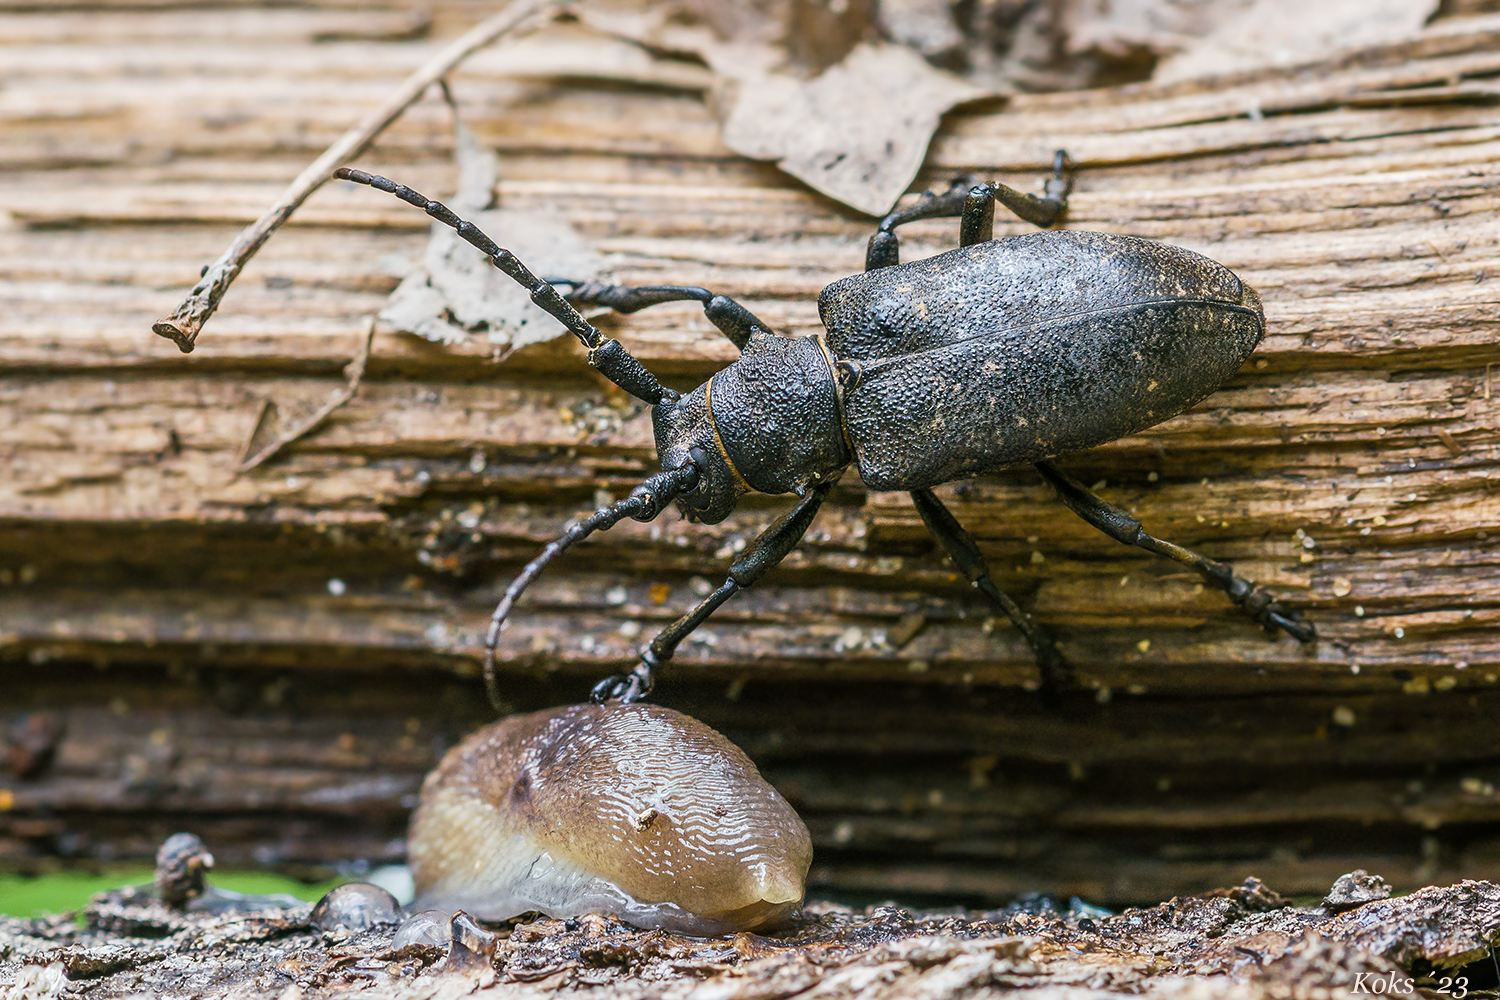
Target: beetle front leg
769,548
965,554
1120,525
733,320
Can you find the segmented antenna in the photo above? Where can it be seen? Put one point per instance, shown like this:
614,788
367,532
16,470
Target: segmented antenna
609,356
644,503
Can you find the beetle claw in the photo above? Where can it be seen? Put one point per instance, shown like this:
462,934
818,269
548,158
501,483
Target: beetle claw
1289,622
608,689
1273,616
624,688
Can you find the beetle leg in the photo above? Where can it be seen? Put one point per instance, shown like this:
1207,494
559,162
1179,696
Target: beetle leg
885,247
645,502
1121,526
769,548
733,320
974,205
977,221
964,552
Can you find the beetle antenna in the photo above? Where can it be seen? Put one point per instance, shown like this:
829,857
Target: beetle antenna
606,355
644,503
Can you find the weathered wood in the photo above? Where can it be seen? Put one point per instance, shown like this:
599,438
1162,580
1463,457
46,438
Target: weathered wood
1352,467
1246,942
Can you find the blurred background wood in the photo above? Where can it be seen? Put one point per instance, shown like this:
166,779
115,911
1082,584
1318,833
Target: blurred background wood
273,659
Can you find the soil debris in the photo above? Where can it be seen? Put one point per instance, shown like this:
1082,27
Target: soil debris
1245,941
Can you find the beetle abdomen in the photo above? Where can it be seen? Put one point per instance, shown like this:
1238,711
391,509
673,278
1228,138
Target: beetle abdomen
1025,348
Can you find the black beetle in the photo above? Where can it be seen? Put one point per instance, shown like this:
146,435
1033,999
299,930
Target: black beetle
998,354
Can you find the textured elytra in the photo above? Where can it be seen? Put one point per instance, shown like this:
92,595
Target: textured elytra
634,810
1020,349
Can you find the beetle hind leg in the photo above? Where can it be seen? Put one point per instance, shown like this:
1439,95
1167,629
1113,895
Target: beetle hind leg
964,552
973,204
1120,525
977,223
885,246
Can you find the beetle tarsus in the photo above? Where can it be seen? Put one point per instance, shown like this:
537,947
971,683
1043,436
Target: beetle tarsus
1270,613
626,688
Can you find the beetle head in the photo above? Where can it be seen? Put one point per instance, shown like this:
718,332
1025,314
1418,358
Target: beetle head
685,433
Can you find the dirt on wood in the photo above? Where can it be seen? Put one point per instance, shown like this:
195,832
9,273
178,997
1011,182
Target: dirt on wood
1245,942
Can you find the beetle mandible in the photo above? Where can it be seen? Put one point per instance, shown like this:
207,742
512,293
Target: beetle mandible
999,354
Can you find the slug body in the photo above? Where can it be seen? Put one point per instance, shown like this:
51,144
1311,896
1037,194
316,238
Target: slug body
627,809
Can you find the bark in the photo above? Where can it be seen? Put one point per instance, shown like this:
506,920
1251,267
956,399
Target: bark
178,623
1245,942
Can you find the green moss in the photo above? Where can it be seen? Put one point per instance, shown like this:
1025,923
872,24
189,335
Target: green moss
27,896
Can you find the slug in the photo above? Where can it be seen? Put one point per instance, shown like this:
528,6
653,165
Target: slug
626,809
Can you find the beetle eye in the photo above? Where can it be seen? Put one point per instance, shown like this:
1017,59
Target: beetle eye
698,496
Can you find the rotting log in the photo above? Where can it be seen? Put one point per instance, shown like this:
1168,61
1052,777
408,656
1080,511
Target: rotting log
1245,943
175,654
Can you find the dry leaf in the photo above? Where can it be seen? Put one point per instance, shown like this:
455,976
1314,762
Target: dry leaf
1289,32
1117,28
927,26
457,293
809,35
858,132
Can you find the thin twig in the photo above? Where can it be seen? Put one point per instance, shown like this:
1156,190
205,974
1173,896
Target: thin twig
355,370
184,324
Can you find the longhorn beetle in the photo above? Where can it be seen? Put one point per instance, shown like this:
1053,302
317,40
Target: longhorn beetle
998,354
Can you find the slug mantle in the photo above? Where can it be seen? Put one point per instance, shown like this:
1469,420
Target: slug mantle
632,810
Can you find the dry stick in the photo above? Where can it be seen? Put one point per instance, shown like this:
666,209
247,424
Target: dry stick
183,325
355,371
